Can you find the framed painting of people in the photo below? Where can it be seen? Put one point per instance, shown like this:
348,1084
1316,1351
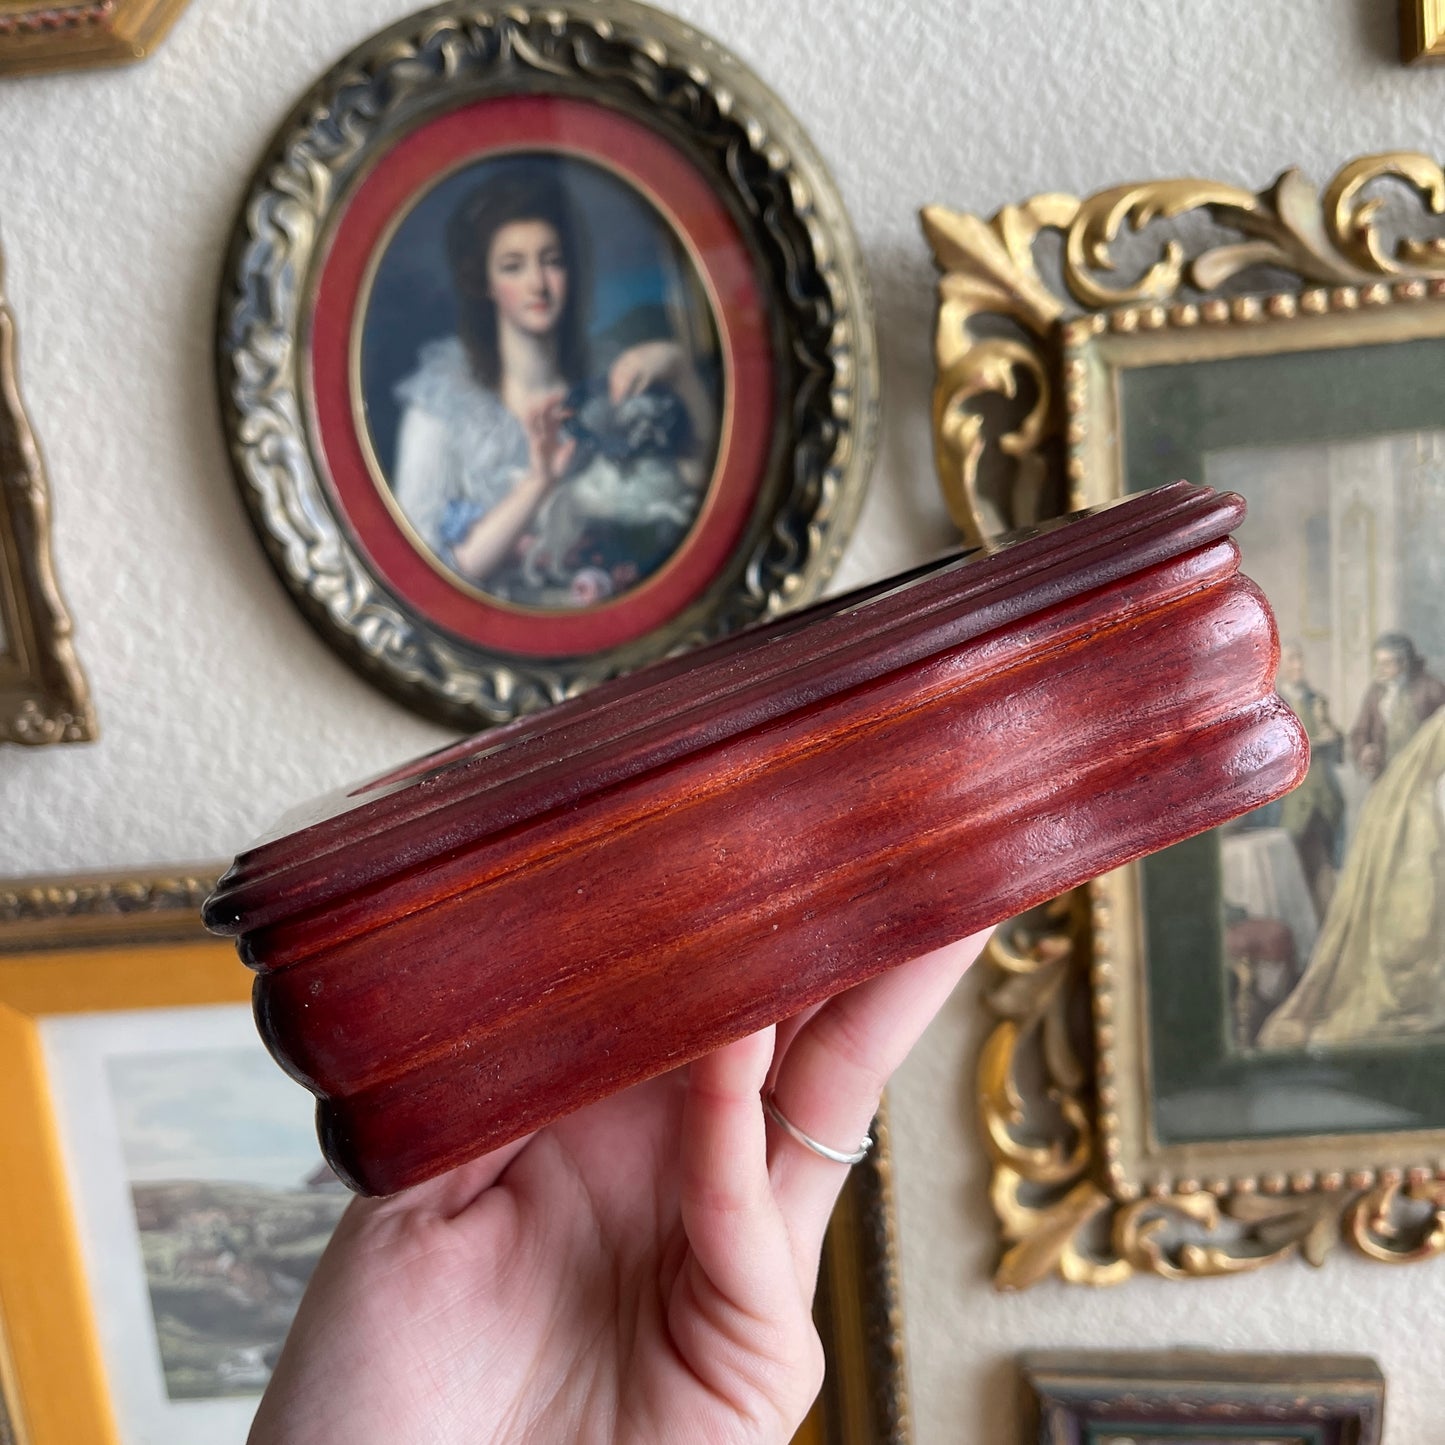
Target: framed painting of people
1310,933
558,377
163,1200
1267,1049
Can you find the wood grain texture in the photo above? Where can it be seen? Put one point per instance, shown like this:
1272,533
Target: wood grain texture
549,913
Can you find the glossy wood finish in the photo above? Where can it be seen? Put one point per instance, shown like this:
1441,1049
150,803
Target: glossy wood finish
459,953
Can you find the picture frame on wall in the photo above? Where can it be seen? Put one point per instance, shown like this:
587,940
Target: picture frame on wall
1422,30
44,695
163,1198
545,350
1262,1072
39,36
1204,1397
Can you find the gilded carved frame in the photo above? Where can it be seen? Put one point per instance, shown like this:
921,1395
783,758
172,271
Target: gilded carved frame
43,693
1013,444
39,35
1422,30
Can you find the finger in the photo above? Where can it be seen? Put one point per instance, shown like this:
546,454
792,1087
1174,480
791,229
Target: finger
788,1030
733,1226
620,381
830,1078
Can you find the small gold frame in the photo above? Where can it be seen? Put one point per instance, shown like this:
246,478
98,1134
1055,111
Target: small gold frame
39,37
43,693
1017,440
1199,1395
135,941
1422,30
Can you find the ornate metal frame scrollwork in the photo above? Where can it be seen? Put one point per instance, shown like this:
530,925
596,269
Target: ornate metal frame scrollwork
37,35
716,113
1010,451
43,693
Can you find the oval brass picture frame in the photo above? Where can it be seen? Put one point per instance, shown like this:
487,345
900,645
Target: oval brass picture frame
622,88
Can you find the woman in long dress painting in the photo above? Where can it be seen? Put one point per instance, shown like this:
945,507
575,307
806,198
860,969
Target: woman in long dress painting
1378,967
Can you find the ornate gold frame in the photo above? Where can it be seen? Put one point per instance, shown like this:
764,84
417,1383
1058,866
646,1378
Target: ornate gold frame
1422,30
36,36
135,941
43,693
1017,439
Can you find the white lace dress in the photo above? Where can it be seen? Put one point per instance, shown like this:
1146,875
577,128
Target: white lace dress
459,451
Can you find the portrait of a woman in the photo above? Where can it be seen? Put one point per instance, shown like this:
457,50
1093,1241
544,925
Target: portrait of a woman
530,462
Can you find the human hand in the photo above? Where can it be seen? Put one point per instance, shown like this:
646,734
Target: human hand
642,1270
1369,760
550,449
644,365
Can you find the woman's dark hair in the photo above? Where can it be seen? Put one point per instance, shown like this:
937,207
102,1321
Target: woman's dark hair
521,192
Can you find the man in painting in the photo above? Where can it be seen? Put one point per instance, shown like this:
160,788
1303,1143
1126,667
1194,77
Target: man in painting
1402,696
1313,814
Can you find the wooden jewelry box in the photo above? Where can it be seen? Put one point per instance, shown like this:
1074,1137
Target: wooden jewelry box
457,953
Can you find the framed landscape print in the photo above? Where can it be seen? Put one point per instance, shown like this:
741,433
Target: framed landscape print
163,1199
1197,1397
545,350
1267,1054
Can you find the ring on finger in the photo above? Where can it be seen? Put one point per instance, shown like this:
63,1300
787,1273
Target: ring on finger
824,1151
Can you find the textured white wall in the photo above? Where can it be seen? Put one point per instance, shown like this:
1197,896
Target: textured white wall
219,707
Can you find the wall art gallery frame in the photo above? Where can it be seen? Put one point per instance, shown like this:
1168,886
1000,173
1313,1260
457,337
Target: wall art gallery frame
358,333
1074,1397
1422,30
1246,1086
44,697
124,957
37,37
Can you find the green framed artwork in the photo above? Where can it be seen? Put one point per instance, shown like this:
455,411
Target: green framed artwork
1262,1061
1292,964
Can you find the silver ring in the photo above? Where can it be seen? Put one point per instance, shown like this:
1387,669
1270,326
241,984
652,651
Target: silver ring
837,1156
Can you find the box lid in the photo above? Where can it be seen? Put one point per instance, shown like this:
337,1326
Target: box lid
452,800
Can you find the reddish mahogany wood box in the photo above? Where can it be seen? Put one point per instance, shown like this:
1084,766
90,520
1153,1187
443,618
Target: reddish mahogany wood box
457,953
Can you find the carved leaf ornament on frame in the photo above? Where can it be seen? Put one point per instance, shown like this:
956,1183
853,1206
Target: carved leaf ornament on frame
1168,253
